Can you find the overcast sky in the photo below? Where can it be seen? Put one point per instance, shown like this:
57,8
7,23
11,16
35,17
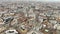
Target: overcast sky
34,0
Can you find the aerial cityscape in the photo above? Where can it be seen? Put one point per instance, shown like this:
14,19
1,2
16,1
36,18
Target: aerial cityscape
29,18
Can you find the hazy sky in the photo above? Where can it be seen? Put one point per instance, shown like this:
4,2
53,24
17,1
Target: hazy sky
34,0
44,0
